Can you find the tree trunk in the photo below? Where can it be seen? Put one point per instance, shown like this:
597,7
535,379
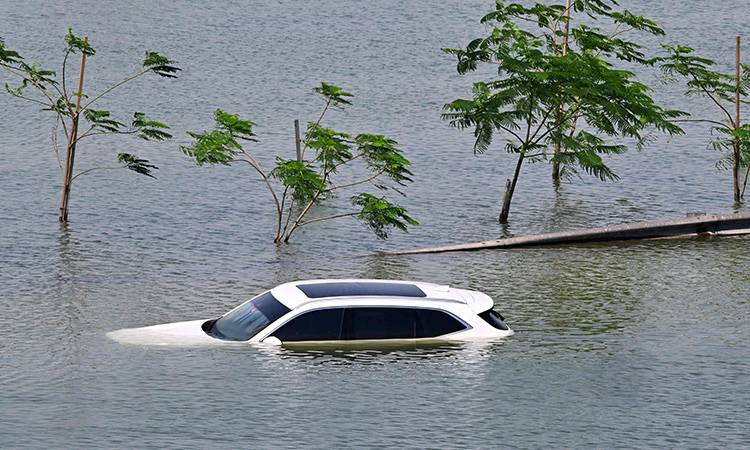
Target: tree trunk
71,153
506,203
736,170
68,176
509,191
556,164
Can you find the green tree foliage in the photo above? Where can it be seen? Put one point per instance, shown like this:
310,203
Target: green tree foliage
307,182
42,87
557,88
732,137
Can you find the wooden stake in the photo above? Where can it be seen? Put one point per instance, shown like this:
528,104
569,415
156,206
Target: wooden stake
737,85
567,28
297,139
70,157
737,155
737,107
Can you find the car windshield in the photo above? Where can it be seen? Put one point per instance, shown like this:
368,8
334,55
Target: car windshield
249,319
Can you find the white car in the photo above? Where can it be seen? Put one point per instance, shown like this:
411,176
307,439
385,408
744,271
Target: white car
339,310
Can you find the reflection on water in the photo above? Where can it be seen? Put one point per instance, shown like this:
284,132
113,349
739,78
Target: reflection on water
447,360
376,353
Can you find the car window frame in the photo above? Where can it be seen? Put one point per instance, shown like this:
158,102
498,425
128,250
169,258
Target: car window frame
343,330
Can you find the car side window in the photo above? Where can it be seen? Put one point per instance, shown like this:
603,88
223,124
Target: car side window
317,325
379,323
435,323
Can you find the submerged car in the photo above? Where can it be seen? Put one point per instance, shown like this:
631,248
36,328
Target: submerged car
339,310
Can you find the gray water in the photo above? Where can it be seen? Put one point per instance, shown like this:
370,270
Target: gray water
619,345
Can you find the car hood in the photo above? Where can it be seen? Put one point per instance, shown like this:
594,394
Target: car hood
184,334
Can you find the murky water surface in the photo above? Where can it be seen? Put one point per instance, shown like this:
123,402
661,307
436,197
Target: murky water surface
622,345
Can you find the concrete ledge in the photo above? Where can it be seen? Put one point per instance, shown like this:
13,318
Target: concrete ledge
700,225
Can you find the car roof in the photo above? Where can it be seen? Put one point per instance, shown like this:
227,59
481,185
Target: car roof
298,293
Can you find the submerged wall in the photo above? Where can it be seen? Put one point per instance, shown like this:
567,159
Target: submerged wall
693,225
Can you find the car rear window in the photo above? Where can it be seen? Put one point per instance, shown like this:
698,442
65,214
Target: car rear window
435,323
494,318
346,289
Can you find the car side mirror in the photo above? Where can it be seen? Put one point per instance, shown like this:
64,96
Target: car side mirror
272,340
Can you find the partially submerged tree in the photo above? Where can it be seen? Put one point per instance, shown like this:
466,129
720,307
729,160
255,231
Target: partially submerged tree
55,96
296,185
726,92
556,96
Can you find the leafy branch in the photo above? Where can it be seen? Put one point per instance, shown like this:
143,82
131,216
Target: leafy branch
548,83
306,183
733,138
55,96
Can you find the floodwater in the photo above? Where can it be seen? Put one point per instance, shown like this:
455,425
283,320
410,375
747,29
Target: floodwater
641,344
